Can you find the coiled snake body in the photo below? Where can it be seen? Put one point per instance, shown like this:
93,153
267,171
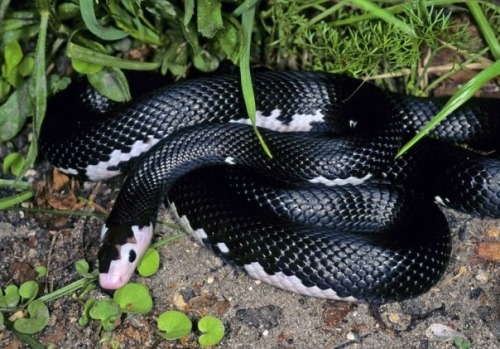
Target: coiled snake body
331,214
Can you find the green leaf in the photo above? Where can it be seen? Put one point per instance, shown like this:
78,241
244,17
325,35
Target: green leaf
10,297
85,67
88,15
37,320
107,311
231,39
83,268
2,321
85,318
209,17
13,113
67,10
149,263
26,66
57,83
28,290
14,163
41,271
212,329
39,80
13,55
205,62
111,83
188,11
134,298
174,325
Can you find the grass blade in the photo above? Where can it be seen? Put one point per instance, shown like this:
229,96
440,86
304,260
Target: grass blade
487,31
247,20
460,97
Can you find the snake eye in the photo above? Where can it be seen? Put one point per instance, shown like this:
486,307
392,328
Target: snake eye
132,256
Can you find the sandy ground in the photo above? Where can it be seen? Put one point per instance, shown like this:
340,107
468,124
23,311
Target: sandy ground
255,315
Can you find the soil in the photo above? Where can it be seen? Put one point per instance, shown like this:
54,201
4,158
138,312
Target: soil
255,315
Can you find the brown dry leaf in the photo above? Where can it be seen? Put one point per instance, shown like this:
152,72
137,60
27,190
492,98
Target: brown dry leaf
489,251
58,191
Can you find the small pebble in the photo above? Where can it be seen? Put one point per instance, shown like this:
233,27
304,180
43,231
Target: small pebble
265,333
442,333
210,279
394,318
351,336
482,276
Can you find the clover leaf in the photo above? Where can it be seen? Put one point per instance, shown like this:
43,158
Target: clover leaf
10,297
174,325
107,311
212,329
37,320
134,298
28,290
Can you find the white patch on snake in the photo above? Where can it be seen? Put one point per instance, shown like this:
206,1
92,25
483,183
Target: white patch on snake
291,283
340,181
440,201
223,247
297,123
198,234
70,171
101,170
229,160
104,230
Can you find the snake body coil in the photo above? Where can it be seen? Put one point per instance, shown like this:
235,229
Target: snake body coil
331,214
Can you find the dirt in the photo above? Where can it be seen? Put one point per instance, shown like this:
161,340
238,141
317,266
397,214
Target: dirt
255,315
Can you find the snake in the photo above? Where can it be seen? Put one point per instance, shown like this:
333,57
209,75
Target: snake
330,213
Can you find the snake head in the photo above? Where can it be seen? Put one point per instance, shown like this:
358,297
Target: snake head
121,250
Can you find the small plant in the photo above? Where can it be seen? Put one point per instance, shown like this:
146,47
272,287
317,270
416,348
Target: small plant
175,325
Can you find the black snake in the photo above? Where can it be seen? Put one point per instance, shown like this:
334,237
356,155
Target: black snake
331,214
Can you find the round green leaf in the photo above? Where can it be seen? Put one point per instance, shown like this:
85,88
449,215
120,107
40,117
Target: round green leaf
107,311
10,297
174,325
134,298
85,67
28,289
149,263
83,268
212,329
37,320
112,83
